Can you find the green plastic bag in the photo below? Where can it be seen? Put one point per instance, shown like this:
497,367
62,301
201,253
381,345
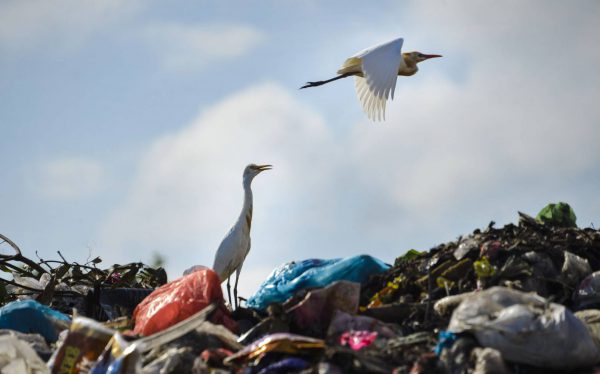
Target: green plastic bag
560,214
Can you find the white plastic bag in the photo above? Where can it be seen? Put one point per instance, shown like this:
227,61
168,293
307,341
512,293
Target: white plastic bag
17,357
526,329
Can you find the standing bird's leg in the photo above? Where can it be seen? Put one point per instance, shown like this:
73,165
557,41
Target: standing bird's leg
237,278
229,291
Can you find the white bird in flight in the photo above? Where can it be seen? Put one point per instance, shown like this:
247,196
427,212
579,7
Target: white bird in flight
376,69
235,246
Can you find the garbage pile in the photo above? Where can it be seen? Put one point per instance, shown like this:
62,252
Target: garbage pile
524,298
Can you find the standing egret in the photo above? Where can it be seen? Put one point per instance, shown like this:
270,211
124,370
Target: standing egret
376,69
235,246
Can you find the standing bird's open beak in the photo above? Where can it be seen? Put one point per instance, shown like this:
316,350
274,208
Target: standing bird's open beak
430,56
264,167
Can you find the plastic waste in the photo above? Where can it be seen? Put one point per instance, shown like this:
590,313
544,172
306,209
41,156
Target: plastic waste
17,357
38,284
118,357
123,357
343,321
287,365
313,314
358,339
574,269
526,329
291,277
172,360
35,341
446,305
281,343
587,294
83,344
489,361
29,316
466,246
445,339
180,299
560,214
591,318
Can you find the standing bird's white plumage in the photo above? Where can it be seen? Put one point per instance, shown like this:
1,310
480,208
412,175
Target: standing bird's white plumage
235,246
376,69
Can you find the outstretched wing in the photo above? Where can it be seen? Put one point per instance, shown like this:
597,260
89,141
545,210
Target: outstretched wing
380,66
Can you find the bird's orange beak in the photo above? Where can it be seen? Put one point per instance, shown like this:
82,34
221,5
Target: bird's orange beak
431,56
264,167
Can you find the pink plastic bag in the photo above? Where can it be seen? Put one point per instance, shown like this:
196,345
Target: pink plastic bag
358,339
180,299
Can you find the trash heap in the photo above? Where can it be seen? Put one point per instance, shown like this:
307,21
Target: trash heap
524,298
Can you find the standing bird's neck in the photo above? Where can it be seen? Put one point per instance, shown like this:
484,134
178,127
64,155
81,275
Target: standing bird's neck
246,213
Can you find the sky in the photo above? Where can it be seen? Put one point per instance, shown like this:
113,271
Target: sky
125,126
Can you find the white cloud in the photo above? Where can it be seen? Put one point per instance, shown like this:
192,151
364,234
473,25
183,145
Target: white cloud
60,24
188,47
70,178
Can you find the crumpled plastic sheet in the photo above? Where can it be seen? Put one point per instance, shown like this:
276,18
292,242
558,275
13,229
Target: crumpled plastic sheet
180,299
17,357
35,341
29,316
291,277
559,214
574,269
526,329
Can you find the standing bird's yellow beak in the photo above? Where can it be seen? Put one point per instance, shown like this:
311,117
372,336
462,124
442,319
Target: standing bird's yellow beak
264,167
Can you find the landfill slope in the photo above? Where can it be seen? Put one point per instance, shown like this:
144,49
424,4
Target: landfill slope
499,300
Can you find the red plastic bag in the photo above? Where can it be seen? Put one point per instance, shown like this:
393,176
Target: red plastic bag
180,299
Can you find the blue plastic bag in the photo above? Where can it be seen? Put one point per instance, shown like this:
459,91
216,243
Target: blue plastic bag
292,277
31,317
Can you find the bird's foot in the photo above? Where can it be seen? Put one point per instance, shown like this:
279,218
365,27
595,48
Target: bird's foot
309,84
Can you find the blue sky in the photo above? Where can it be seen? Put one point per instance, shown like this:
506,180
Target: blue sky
125,126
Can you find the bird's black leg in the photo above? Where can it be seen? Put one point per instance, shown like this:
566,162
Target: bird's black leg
237,278
320,83
229,291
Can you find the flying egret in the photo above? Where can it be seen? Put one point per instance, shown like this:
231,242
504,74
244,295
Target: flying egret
376,69
235,246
